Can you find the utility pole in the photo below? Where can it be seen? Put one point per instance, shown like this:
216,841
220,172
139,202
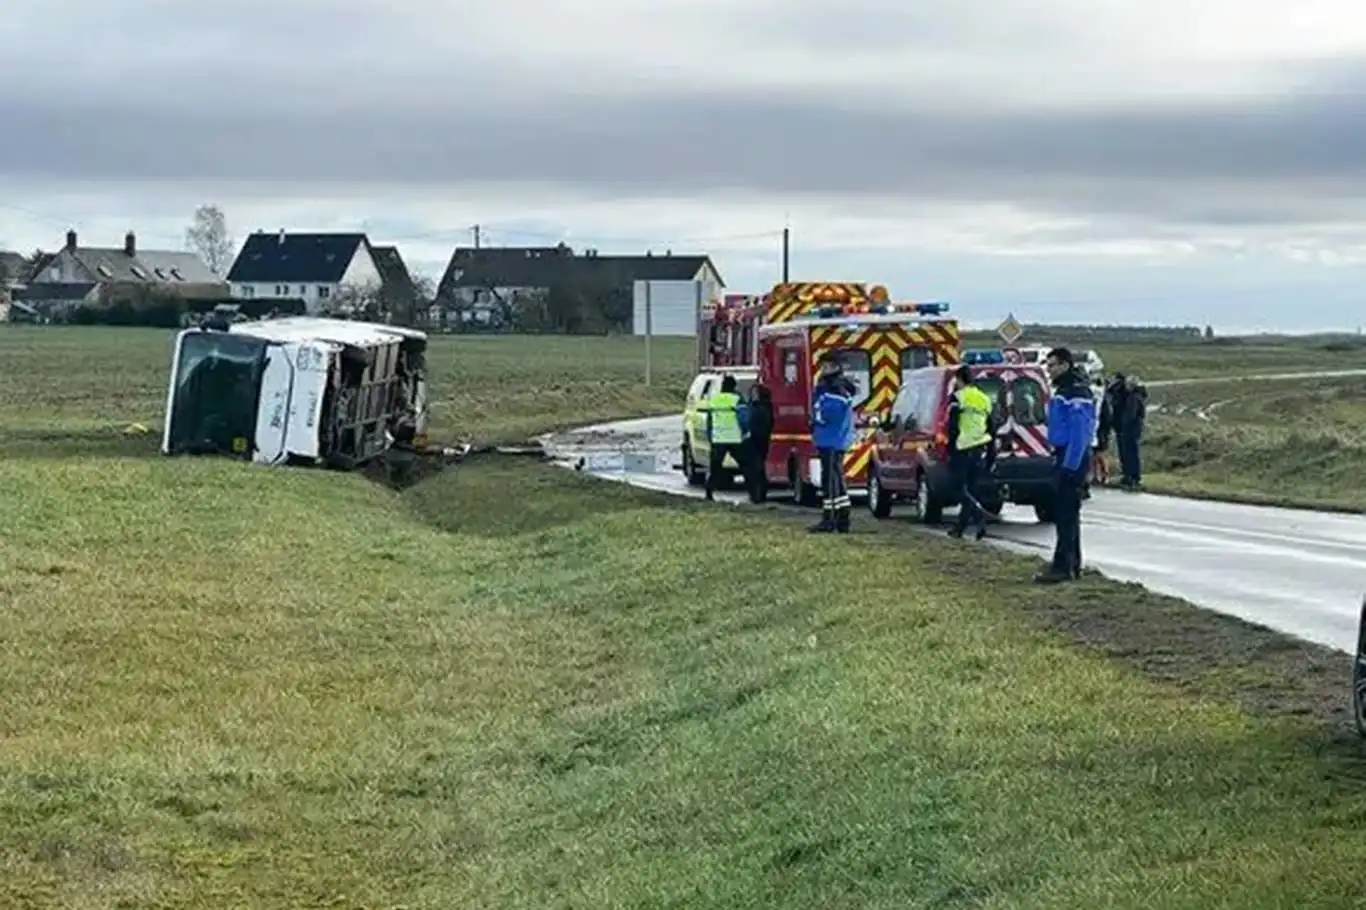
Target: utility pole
649,330
787,254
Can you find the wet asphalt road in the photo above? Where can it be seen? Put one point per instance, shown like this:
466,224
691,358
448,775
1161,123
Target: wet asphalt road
1302,573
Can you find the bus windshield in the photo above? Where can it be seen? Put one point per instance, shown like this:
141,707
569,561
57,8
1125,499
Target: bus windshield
217,394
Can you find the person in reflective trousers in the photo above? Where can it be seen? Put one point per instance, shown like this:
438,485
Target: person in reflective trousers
832,432
725,431
1071,427
969,439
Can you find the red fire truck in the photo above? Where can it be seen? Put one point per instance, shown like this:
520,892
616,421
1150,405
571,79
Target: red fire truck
728,331
877,341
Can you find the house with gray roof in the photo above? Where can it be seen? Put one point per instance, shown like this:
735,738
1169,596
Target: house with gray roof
79,275
482,281
129,264
14,269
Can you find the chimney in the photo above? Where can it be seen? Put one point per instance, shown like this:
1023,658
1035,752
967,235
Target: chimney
70,240
130,244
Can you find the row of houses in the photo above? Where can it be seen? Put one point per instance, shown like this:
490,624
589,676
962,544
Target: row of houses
479,284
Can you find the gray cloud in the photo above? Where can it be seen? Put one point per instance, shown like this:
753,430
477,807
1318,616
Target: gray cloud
1239,163
324,93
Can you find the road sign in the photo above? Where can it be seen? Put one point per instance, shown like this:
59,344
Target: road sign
1010,330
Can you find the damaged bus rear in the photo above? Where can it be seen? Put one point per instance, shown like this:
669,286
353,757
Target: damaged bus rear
299,390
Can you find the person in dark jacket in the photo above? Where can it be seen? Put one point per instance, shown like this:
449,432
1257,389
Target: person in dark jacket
1100,465
1071,428
1130,415
1116,396
832,432
760,434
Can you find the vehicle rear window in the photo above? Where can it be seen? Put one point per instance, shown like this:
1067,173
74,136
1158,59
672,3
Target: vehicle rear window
858,365
994,387
1029,402
1026,401
915,358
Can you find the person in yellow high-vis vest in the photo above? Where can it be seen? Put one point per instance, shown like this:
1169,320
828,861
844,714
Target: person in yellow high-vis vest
969,441
725,431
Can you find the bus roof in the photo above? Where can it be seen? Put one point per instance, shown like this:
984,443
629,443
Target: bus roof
316,328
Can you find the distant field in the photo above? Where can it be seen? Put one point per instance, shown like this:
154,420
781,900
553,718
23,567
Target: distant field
514,687
484,387
491,387
1183,360
1285,442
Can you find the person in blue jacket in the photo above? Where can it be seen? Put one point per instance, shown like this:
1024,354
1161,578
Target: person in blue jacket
1071,433
832,433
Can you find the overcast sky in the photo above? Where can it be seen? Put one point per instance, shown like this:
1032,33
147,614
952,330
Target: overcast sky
1078,160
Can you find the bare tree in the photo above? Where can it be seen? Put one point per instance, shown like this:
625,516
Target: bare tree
208,236
376,302
365,302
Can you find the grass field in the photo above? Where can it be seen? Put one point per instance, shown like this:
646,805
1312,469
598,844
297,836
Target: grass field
490,387
514,687
1229,356
1287,442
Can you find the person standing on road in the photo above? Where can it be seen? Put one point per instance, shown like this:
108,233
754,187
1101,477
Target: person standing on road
1100,465
1071,427
760,434
1135,412
725,432
969,440
1116,396
832,432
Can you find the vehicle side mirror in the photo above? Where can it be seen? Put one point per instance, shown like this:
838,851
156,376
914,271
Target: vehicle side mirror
908,425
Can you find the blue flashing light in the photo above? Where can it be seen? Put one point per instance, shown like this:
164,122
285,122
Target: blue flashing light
933,308
981,356
830,310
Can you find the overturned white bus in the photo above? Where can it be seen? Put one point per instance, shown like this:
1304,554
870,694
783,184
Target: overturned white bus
299,390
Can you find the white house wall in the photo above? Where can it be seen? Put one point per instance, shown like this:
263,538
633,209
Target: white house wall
362,270
712,288
673,307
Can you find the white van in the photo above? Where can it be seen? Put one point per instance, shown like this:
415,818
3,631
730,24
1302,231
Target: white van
1086,358
299,390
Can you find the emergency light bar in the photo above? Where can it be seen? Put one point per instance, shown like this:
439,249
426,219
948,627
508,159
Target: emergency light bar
931,308
829,310
975,356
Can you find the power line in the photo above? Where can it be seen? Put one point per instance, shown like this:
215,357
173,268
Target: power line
482,231
69,223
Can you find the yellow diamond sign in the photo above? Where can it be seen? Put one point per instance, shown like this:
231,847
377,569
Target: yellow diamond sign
1010,330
